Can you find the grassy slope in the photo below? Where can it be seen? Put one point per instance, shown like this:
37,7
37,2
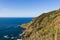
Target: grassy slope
43,27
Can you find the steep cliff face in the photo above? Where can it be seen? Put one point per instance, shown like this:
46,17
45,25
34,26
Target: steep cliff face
43,27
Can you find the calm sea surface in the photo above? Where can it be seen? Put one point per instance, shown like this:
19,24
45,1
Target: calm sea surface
9,27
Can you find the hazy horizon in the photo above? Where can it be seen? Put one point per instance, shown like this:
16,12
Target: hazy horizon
27,8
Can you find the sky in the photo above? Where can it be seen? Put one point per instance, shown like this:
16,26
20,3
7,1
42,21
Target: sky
27,8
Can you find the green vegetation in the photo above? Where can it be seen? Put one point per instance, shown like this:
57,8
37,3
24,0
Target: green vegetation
43,27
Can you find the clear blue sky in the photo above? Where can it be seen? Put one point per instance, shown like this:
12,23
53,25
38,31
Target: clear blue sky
27,8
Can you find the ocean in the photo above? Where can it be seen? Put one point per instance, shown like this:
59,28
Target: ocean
9,29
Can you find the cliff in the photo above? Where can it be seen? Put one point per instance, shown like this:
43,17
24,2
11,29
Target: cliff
43,27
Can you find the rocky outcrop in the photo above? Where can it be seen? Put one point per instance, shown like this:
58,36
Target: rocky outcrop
43,27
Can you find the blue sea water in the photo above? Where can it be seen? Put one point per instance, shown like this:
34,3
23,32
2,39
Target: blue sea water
9,27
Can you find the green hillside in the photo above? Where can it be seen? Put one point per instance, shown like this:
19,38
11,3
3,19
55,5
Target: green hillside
43,27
